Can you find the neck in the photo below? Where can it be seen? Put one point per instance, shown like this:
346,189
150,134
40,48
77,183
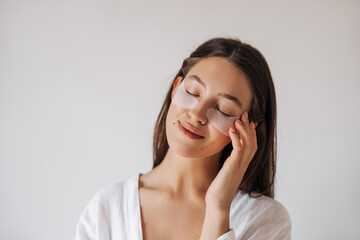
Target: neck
186,177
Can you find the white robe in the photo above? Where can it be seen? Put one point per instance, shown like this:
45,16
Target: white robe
113,213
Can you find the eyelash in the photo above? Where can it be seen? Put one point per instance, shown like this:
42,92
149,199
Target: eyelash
217,107
192,94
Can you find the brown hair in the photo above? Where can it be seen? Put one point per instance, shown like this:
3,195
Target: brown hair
260,175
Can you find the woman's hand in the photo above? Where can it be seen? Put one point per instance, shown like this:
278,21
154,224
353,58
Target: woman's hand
223,189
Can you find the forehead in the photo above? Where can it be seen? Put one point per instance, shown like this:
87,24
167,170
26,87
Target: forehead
219,75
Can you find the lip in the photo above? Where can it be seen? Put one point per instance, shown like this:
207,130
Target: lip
190,131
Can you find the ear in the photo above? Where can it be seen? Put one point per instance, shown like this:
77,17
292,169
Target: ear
176,83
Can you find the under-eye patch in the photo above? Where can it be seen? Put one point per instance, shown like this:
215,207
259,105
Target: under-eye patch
220,121
185,100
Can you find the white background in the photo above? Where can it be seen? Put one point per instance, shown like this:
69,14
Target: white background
82,82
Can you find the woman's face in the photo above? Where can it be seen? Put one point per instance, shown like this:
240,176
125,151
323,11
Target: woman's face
212,80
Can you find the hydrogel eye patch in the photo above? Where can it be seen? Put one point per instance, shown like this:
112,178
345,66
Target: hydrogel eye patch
220,121
185,100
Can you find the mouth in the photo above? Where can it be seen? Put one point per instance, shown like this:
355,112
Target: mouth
189,131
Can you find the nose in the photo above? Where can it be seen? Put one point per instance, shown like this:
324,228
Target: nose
199,112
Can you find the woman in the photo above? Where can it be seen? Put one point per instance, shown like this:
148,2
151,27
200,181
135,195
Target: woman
214,158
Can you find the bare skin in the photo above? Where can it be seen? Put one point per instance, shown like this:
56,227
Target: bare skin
187,196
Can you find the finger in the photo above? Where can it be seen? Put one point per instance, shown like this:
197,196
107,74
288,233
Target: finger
235,139
247,137
236,144
249,125
237,159
253,136
245,119
244,131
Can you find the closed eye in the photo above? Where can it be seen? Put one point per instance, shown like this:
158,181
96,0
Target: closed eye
227,115
192,94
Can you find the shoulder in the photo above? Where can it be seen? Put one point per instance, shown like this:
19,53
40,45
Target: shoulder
105,206
255,207
254,215
114,192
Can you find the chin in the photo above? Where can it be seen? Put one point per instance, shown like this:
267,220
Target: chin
191,150
187,153
182,148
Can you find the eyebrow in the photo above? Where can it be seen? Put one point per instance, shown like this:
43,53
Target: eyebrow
225,95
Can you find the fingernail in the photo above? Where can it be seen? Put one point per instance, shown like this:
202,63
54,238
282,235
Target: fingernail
246,114
238,121
232,130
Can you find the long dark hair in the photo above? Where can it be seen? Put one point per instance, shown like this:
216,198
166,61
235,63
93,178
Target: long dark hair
260,175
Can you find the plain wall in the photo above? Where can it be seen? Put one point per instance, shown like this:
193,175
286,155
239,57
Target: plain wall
82,82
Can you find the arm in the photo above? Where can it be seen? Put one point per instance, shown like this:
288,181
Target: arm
93,223
223,189
216,223
272,224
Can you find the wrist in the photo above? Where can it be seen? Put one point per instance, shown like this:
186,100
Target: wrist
216,223
217,212
217,207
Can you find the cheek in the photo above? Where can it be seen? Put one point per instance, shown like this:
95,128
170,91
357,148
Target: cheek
172,118
220,140
174,111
